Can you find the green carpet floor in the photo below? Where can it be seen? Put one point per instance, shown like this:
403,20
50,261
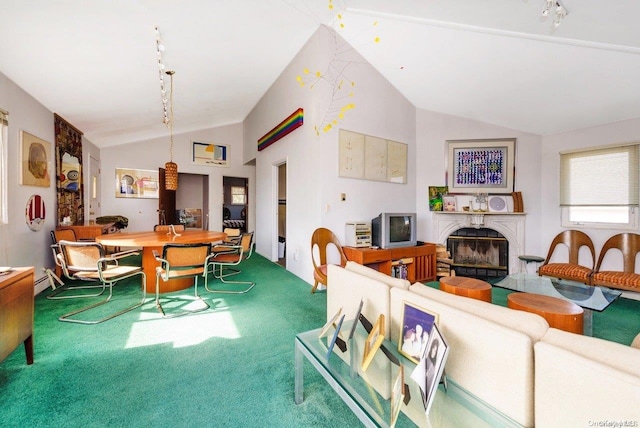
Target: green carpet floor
230,366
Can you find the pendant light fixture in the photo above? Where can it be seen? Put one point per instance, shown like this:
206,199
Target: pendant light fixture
171,168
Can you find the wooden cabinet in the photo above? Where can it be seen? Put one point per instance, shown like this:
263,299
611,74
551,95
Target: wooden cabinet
88,232
420,260
16,312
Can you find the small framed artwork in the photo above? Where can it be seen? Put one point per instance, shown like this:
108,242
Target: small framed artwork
136,183
435,197
329,324
397,395
373,342
209,154
335,338
416,327
355,319
35,161
449,203
481,166
435,356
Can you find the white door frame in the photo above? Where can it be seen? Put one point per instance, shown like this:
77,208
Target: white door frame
275,168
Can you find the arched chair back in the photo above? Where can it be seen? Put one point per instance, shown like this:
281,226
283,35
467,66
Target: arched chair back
571,269
628,246
321,240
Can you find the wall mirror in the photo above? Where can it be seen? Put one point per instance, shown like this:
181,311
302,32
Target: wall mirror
69,172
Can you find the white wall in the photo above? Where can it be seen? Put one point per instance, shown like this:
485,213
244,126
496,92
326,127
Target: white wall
152,154
549,175
434,129
312,161
19,245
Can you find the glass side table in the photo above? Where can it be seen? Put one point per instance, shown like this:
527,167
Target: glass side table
368,393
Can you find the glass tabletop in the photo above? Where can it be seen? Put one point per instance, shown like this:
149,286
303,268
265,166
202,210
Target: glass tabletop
586,296
371,389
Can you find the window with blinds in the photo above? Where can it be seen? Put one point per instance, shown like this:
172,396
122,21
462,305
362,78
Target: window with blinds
600,188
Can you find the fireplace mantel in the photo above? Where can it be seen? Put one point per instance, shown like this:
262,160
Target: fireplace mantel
511,225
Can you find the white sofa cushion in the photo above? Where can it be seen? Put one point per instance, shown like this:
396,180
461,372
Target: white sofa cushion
346,288
616,355
584,381
374,274
530,324
490,360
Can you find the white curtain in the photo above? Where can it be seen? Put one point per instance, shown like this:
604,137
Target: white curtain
4,144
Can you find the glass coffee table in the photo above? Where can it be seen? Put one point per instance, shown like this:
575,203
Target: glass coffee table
589,297
368,393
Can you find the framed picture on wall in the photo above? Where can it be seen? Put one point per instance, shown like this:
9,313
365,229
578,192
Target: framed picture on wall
209,154
136,183
35,165
481,166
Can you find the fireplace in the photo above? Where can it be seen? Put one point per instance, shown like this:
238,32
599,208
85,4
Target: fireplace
510,225
479,253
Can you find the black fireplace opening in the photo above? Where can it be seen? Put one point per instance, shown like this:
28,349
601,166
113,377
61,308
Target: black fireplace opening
479,253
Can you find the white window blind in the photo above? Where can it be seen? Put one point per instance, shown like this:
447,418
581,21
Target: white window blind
4,153
600,177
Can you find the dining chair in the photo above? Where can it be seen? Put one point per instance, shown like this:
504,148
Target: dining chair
168,227
87,261
182,261
233,235
321,240
223,257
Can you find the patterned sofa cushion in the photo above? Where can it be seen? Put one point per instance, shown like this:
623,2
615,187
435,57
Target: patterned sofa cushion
613,279
566,271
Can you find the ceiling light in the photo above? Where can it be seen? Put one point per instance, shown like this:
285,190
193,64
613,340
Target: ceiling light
171,168
559,11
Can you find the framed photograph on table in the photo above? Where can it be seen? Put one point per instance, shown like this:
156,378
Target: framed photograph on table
434,358
416,327
481,166
373,342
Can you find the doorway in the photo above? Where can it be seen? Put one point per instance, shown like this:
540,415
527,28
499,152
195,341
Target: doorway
282,214
235,203
189,205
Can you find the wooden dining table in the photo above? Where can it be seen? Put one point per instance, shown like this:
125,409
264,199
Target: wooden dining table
150,241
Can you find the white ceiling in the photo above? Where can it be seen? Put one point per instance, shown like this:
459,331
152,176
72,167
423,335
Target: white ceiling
497,61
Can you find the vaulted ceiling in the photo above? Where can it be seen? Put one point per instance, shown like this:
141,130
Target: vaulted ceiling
497,61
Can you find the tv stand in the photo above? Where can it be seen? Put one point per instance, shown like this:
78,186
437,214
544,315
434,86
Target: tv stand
422,267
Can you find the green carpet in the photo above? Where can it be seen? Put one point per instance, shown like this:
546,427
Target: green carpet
231,366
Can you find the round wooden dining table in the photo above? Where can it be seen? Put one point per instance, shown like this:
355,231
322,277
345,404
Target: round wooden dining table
150,241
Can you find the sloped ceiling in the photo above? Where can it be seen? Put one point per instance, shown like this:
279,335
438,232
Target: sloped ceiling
497,61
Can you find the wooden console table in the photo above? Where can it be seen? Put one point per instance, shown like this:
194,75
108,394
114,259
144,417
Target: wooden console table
16,312
422,267
88,232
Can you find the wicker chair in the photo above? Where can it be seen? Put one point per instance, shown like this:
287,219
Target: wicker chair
627,245
571,269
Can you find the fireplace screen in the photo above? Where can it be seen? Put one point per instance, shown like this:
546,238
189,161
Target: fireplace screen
479,253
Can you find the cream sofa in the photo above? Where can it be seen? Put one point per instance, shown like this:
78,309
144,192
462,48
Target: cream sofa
491,352
512,360
584,381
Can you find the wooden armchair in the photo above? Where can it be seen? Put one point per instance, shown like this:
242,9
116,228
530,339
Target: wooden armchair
571,269
628,245
321,239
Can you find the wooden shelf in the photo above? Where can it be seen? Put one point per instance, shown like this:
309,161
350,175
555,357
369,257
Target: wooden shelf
422,269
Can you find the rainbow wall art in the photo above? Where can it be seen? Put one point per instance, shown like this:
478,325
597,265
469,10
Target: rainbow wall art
284,128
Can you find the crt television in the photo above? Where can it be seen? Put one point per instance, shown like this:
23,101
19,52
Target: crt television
390,230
